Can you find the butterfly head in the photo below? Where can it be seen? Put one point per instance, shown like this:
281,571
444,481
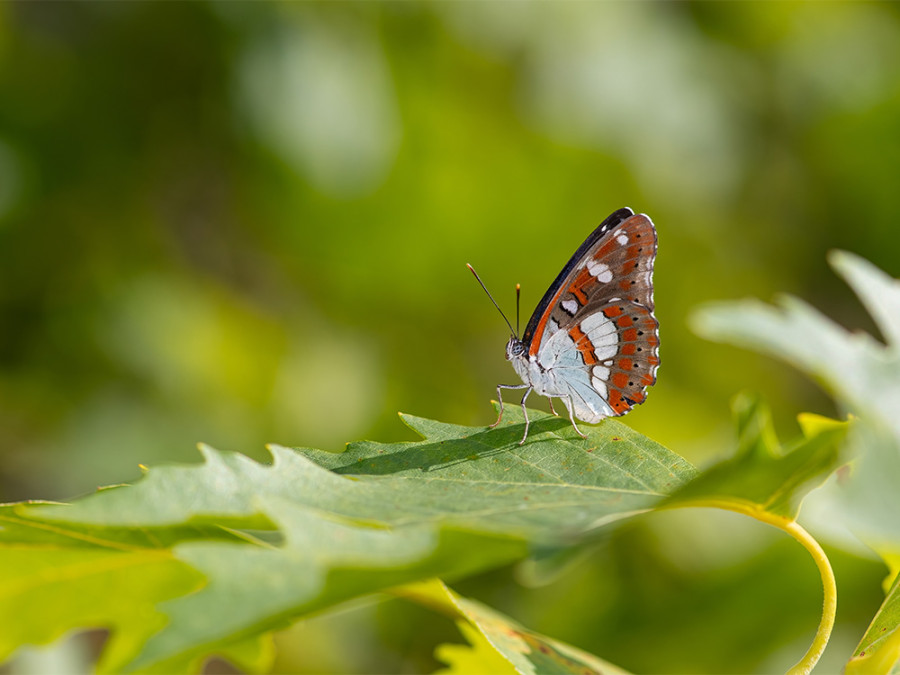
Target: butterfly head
515,348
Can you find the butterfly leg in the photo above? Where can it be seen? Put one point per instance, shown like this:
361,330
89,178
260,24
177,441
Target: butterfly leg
568,401
525,412
551,406
500,399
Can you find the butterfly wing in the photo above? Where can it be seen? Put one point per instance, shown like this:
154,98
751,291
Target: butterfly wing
594,328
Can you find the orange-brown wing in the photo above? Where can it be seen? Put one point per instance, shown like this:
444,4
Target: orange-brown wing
615,263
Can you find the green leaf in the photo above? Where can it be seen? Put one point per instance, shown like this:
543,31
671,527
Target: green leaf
479,656
53,581
862,374
762,476
320,564
879,649
314,529
555,487
864,377
552,489
497,643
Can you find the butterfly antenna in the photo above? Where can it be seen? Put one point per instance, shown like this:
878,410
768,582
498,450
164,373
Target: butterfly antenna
518,296
516,333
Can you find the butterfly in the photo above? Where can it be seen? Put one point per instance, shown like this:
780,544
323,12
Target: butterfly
593,340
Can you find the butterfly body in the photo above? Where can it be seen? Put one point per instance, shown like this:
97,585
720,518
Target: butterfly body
593,340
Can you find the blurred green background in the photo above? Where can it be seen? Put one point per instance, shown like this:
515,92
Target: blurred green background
240,223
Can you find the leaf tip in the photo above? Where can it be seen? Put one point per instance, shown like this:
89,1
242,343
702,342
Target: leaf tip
210,454
858,272
838,258
278,452
812,424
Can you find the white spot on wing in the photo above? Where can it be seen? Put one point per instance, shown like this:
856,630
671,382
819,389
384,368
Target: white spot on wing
602,333
597,324
606,351
622,239
570,306
600,271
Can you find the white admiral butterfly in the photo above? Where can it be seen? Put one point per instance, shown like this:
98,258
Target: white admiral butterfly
593,341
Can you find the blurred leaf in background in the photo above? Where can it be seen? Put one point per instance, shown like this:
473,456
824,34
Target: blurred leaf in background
226,221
